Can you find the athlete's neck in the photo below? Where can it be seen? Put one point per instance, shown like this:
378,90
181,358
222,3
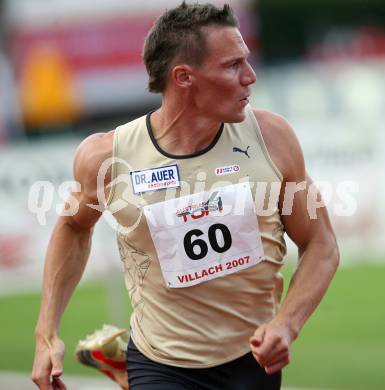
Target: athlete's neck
179,129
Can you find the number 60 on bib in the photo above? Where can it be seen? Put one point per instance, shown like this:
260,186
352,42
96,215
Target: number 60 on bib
204,236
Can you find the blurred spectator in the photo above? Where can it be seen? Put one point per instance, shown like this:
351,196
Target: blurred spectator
10,119
2,125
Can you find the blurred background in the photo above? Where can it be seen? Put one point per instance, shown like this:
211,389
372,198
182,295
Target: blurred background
72,68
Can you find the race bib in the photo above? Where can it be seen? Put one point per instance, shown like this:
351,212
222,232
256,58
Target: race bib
204,236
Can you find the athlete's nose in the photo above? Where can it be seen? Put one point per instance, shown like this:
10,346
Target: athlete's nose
249,77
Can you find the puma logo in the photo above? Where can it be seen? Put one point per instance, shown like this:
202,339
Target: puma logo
235,149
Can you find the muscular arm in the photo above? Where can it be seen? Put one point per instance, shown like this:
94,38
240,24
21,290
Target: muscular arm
318,259
66,258
317,249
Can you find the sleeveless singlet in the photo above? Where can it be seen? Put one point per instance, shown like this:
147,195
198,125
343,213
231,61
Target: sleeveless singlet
198,317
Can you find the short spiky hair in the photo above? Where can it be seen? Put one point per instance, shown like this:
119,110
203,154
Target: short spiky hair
178,35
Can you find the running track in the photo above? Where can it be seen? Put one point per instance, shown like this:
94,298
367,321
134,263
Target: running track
22,382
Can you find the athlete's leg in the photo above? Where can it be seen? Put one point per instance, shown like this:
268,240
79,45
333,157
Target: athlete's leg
247,374
243,373
145,374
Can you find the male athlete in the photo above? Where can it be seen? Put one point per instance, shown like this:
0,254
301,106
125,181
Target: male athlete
201,247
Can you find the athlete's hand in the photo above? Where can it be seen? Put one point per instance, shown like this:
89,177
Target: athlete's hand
48,366
270,346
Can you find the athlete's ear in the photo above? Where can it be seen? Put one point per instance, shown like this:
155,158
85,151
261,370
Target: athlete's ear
181,75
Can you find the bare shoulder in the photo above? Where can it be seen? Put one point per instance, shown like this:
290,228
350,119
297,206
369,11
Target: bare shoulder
282,144
90,155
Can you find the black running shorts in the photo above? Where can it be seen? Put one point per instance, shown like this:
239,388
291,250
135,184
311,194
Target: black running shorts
243,373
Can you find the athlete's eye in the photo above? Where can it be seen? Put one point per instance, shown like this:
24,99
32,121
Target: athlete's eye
234,65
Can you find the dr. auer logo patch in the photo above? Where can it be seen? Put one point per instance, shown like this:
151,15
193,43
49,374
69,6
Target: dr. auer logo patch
154,179
226,170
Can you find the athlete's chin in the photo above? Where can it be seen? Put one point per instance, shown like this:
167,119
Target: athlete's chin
232,114
237,117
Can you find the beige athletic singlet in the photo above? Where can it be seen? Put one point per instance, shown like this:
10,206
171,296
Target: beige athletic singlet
208,323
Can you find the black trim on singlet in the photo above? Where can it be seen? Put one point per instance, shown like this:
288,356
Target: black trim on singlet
183,156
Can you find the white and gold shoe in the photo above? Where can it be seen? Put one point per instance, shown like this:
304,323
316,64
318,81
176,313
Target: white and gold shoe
105,350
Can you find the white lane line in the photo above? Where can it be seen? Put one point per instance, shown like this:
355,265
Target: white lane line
22,381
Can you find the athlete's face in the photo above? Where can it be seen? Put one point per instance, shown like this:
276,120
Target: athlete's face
221,84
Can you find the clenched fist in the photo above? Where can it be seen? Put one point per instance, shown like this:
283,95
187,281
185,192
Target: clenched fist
270,346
